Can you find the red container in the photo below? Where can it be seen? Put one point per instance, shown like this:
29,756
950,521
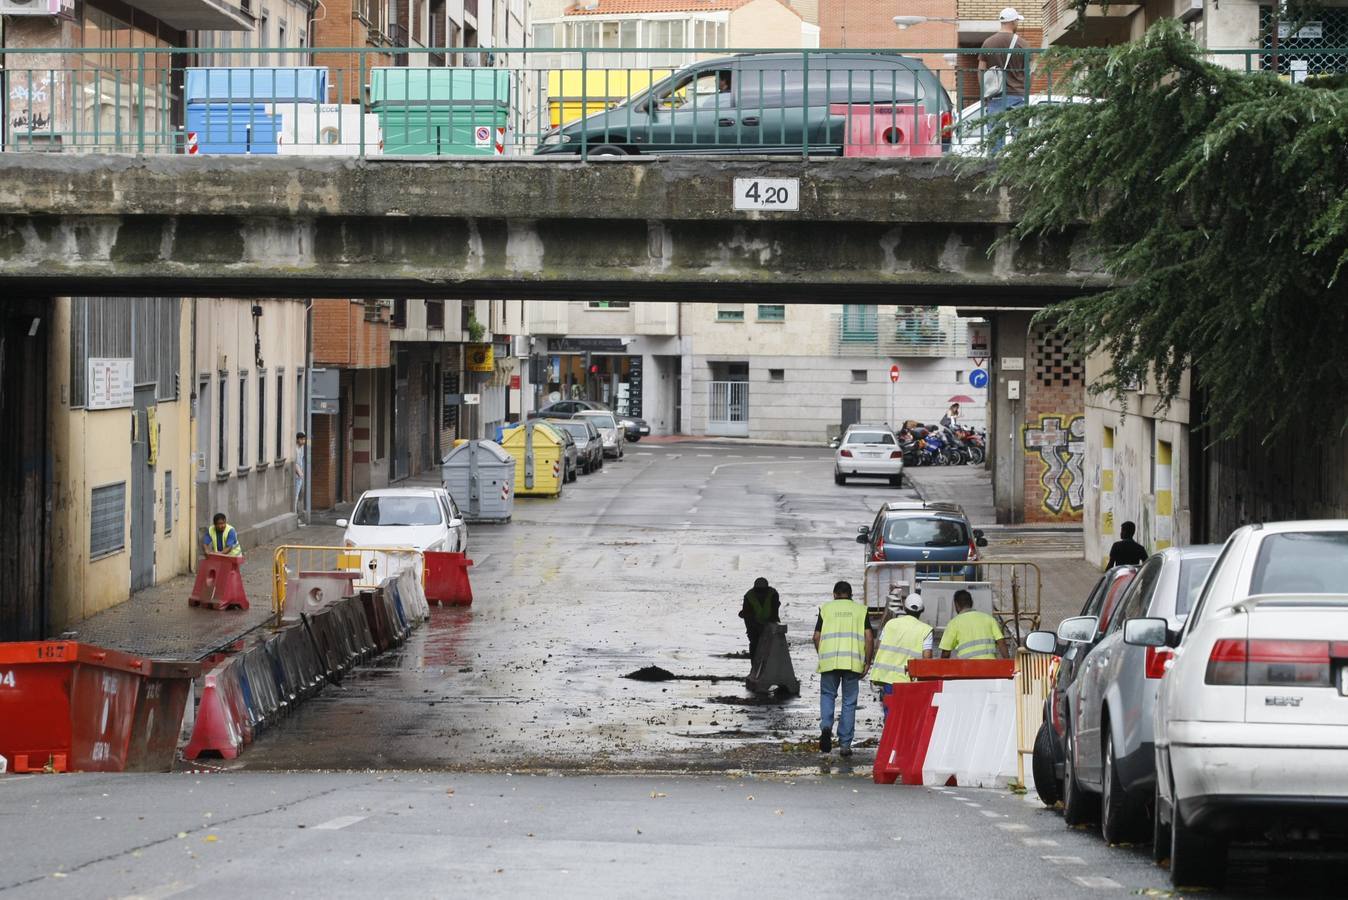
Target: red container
888,129
926,669
67,706
447,578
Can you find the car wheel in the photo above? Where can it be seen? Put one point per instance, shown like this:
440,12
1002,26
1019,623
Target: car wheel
1196,860
635,439
607,150
1160,831
1118,814
1045,777
839,478
1077,806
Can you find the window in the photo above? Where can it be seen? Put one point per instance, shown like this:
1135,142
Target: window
1138,597
771,312
243,422
731,313
544,36
858,374
912,531
608,304
1192,573
776,375
168,503
143,329
435,314
859,323
222,424
1301,562
629,35
959,376
281,415
398,318
398,511
107,520
262,417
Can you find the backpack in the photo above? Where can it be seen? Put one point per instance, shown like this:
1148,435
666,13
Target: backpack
994,78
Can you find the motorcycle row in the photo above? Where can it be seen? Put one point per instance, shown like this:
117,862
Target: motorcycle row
941,445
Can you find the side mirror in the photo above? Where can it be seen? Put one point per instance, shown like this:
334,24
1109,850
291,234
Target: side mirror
978,533
863,538
980,541
342,523
833,444
455,523
1146,632
1041,642
1078,629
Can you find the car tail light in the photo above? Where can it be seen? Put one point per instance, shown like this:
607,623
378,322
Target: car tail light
973,550
1269,663
896,454
1158,661
846,453
879,554
348,543
947,125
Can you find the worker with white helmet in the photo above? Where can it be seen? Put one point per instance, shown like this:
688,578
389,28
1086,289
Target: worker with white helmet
904,637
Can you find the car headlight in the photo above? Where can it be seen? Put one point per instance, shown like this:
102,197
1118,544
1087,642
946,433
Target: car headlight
628,423
556,137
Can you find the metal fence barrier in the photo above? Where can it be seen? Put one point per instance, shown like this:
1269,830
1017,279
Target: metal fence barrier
554,102
1011,590
1033,675
305,578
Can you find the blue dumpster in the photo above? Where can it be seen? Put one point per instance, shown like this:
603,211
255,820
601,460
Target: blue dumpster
233,110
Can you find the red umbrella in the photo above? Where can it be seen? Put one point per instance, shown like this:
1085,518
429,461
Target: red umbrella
960,398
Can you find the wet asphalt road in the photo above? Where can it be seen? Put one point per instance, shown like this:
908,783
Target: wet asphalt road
642,563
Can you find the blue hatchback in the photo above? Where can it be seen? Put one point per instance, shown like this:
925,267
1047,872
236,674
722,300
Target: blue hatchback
908,532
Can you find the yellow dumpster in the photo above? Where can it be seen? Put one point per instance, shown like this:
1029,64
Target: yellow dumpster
573,93
539,463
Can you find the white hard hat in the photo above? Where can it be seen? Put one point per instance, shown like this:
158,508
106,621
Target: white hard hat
1009,14
914,604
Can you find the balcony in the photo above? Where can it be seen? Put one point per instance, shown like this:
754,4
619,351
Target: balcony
910,331
1100,26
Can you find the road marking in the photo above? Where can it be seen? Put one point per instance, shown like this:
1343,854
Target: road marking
765,457
1012,826
339,823
992,815
734,456
692,509
10,779
971,804
1094,881
1039,842
704,456
1064,860
161,893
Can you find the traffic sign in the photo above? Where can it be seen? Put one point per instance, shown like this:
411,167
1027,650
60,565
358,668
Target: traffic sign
894,373
978,378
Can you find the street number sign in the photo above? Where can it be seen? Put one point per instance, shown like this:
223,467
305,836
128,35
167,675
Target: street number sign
782,194
894,373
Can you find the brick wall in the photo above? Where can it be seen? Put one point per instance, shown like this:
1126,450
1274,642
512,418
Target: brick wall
344,337
340,28
1054,434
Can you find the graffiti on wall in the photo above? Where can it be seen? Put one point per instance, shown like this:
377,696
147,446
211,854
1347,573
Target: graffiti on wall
1059,441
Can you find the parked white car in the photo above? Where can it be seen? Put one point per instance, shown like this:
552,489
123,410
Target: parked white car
420,518
868,451
966,137
1251,720
612,434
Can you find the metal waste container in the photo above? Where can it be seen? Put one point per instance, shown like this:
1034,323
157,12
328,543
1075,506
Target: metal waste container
480,476
538,451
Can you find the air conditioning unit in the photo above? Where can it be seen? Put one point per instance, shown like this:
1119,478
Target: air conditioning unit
1189,10
519,346
30,7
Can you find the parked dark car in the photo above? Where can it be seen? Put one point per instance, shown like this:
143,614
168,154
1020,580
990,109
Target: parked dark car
636,428
762,103
588,442
1070,645
905,531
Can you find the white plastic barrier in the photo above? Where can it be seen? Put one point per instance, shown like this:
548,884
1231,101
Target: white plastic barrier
974,738
413,594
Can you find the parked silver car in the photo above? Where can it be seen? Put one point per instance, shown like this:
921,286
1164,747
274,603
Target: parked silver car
588,442
1112,758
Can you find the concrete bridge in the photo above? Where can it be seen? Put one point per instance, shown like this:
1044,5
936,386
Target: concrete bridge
866,231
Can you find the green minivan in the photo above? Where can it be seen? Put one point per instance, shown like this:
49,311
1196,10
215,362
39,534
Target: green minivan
757,103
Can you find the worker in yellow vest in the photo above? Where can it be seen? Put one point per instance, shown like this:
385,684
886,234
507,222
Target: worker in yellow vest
905,637
972,634
844,640
221,538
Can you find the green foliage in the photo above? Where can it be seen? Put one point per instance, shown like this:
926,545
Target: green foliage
476,330
1218,200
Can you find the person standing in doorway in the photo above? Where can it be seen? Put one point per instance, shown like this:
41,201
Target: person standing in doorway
1126,551
761,605
844,640
297,466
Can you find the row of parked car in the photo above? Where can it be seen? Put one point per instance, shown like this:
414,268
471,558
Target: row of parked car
1203,697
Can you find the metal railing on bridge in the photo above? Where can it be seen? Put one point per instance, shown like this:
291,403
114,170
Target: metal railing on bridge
557,102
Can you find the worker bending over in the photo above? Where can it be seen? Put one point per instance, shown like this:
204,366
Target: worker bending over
905,637
221,538
972,634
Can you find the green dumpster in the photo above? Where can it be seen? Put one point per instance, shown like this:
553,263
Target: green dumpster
441,112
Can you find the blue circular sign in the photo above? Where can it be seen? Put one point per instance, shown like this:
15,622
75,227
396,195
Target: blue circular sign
978,378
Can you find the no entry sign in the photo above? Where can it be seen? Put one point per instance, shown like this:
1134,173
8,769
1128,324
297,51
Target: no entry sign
894,373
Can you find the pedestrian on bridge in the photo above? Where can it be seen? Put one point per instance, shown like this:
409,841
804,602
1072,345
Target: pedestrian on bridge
221,538
905,637
761,605
973,634
844,640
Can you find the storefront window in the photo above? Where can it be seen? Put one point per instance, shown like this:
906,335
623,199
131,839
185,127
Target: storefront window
612,379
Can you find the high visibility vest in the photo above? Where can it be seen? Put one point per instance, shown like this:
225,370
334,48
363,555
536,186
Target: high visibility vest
760,605
975,635
220,543
901,641
842,641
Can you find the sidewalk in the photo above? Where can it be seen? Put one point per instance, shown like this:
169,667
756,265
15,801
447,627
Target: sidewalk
158,622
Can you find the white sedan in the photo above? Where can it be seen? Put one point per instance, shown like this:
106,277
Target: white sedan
970,128
420,518
613,435
868,451
1251,720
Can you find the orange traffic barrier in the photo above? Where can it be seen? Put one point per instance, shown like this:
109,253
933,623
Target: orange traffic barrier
72,707
907,731
220,727
219,583
947,669
447,578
